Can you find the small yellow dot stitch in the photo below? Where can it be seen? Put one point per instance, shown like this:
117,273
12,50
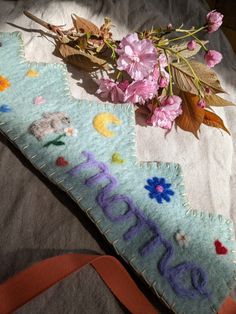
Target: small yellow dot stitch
116,158
32,73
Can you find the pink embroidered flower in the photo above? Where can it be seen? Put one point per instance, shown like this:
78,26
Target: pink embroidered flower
191,45
214,21
39,100
140,91
201,103
110,90
168,111
212,57
137,57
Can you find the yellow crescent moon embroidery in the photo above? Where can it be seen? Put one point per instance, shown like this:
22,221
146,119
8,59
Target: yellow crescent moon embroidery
102,119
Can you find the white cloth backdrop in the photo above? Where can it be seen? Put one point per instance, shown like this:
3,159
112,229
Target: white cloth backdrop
208,164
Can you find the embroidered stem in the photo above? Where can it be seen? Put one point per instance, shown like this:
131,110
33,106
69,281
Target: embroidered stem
56,141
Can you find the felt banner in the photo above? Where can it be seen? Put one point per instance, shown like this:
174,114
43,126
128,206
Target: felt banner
88,150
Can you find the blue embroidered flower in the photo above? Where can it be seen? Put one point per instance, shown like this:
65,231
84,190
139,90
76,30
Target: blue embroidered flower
159,189
5,108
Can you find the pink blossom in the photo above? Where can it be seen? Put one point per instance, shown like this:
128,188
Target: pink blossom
155,74
214,21
212,58
140,91
110,90
162,60
169,109
123,85
163,81
191,45
136,57
161,76
201,103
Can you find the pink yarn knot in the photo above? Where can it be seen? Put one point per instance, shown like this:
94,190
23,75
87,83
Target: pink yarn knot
159,188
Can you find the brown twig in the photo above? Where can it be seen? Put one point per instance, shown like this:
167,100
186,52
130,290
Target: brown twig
53,28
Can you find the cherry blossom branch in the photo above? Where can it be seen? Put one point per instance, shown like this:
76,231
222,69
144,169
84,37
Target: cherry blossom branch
187,35
170,73
199,42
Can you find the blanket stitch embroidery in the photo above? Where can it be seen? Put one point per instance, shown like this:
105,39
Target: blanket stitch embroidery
172,274
146,229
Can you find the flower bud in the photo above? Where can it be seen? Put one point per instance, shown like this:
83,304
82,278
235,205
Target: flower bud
191,45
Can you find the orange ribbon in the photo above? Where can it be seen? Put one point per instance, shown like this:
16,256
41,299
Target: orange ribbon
33,281
29,283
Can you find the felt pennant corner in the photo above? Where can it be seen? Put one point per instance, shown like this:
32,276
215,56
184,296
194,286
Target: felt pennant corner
88,150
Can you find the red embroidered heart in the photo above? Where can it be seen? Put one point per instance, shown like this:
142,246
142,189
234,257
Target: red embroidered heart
220,248
61,162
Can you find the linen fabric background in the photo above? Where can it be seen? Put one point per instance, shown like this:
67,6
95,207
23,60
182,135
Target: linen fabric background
37,220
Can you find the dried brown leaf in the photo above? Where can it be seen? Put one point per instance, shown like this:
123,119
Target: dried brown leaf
105,29
216,101
211,119
80,59
192,116
84,26
184,78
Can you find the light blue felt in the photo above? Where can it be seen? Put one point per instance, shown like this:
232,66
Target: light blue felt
203,229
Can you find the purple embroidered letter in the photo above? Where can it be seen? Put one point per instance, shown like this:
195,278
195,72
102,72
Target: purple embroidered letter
107,201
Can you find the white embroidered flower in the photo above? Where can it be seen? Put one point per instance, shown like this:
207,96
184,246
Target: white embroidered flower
71,131
182,238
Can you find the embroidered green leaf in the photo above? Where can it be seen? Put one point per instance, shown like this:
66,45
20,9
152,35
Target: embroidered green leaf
214,100
184,78
47,144
58,143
